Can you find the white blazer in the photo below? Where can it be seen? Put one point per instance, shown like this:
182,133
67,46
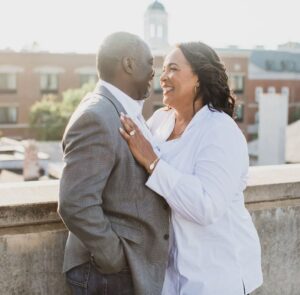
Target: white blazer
215,249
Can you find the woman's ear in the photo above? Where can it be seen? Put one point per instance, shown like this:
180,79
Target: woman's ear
127,64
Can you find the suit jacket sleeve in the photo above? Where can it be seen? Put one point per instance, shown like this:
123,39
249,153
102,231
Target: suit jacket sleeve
89,156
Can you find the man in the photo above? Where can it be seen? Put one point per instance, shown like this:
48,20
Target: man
118,228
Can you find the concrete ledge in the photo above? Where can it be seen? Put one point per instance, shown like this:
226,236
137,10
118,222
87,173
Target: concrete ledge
277,174
32,239
31,214
32,236
272,192
266,183
31,192
270,183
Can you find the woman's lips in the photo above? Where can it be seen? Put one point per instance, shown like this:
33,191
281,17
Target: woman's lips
167,89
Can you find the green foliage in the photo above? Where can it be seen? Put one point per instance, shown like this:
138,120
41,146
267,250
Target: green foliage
46,119
72,97
49,116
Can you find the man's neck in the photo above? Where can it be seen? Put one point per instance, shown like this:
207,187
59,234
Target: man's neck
124,86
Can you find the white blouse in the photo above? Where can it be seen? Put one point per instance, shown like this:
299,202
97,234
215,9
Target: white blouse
215,249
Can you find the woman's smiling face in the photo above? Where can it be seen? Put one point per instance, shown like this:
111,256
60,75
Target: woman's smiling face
178,80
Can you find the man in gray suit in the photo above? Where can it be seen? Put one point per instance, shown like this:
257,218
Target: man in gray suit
118,228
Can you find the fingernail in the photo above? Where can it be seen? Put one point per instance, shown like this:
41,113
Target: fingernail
121,130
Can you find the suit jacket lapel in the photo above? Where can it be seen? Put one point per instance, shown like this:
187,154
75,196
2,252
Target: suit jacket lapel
104,92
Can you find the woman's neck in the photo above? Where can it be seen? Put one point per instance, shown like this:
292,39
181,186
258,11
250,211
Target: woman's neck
182,119
185,115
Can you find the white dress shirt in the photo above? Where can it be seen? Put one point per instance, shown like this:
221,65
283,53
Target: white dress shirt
215,249
133,108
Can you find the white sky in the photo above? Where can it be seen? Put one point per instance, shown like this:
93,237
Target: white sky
80,25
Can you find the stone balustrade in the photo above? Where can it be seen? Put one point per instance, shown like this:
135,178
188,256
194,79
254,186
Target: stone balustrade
32,236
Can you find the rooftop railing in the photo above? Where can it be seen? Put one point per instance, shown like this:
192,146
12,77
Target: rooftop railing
32,236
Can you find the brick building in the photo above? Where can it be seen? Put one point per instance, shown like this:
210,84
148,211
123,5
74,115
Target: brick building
273,71
249,71
26,76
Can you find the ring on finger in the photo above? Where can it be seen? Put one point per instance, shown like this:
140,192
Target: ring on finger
132,132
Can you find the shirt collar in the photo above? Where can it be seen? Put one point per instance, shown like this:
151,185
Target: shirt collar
132,107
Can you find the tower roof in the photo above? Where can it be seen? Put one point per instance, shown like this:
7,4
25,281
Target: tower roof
156,6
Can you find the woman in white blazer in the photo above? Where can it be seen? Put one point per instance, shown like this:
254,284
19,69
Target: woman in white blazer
200,168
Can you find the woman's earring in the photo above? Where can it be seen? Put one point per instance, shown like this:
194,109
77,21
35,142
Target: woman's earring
196,88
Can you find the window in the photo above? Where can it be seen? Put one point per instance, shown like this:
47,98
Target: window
271,89
160,31
256,117
237,67
88,78
49,83
258,91
237,83
287,66
152,30
269,65
8,82
239,113
156,81
8,115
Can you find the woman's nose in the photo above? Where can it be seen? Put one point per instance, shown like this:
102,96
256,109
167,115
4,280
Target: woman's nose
163,76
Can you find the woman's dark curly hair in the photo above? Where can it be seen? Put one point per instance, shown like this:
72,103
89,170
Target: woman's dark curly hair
214,90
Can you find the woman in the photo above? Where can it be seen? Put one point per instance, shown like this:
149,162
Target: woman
200,170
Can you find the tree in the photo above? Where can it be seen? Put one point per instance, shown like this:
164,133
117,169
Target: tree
72,97
49,116
46,118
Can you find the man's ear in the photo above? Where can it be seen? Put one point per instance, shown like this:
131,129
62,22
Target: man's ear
128,64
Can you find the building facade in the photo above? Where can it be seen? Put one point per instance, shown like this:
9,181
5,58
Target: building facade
26,76
248,71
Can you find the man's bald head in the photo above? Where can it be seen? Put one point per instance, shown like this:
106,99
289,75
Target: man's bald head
125,61
114,48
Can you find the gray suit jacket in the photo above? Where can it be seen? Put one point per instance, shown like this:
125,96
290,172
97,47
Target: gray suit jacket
111,215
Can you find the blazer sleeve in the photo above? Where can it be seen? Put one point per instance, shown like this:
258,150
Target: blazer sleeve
89,156
204,195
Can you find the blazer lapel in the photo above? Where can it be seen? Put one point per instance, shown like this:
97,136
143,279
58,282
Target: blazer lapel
104,92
